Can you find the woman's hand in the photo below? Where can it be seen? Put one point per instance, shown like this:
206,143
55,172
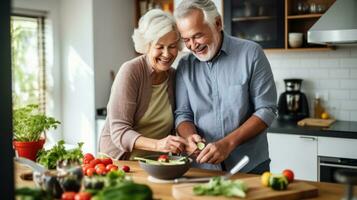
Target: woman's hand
192,140
173,144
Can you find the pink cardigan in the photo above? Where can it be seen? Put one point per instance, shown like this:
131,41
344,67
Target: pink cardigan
129,100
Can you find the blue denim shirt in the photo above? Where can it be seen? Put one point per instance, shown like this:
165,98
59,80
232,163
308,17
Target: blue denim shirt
220,95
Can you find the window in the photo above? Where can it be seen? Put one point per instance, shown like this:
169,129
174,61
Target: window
28,60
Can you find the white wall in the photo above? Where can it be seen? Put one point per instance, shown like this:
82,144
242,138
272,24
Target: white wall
113,25
332,74
78,72
53,69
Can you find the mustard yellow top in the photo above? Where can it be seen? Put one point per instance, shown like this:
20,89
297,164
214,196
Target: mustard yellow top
158,120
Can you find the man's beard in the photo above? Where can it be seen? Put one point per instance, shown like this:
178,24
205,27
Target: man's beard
209,55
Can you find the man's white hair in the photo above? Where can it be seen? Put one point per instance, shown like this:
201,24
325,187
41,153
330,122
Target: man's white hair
152,26
208,8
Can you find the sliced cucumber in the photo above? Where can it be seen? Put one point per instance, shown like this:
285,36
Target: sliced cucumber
201,146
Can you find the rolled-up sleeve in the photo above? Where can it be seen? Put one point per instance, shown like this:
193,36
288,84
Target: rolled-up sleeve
121,109
263,89
183,110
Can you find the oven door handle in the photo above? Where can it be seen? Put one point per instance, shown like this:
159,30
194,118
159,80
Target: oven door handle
337,165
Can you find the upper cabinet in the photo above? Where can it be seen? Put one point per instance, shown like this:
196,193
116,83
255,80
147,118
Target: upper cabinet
258,20
275,24
142,6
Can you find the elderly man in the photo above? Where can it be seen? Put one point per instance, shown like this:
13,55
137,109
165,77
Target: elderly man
225,92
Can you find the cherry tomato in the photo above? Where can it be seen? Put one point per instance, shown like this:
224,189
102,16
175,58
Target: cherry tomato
107,161
83,196
94,162
88,156
289,174
90,171
108,167
126,168
68,196
101,170
163,158
100,165
84,169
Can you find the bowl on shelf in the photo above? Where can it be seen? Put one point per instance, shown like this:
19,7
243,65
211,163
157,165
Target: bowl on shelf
166,171
295,40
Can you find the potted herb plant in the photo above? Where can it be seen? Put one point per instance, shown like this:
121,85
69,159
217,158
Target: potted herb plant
28,126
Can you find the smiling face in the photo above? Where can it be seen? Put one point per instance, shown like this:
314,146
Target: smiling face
198,36
162,54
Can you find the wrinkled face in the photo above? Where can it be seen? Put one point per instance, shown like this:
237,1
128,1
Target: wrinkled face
198,36
162,54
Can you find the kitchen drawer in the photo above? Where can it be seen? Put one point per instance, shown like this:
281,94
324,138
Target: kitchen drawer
337,147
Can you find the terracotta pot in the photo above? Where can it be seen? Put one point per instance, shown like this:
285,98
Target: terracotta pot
28,149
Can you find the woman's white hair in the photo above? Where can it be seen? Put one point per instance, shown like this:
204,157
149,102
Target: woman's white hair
152,26
208,8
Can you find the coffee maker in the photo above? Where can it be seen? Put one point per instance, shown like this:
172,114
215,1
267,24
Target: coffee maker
293,105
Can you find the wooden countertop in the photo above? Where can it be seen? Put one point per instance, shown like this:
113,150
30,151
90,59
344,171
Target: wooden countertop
327,191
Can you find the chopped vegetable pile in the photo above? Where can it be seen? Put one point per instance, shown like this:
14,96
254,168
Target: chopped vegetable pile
218,186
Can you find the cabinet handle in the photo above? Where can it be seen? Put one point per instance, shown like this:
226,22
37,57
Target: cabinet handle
308,137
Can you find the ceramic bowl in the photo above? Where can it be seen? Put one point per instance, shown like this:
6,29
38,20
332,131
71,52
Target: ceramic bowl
165,172
295,40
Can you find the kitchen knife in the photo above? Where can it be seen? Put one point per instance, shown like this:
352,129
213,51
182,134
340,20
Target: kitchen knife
243,162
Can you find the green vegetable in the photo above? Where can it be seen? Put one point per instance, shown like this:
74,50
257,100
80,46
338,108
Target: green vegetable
50,157
180,161
278,182
201,146
27,193
218,186
29,123
125,191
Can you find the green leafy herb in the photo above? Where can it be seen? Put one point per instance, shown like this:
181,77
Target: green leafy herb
58,152
27,193
29,124
218,186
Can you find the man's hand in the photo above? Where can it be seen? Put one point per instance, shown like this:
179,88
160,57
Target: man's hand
215,153
192,140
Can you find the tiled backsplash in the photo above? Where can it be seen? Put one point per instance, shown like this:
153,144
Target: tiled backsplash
331,74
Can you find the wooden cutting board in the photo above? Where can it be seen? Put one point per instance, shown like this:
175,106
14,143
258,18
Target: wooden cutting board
316,122
296,190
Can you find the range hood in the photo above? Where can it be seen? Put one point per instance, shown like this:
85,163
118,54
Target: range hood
337,26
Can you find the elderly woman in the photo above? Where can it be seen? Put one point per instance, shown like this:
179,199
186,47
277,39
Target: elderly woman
140,109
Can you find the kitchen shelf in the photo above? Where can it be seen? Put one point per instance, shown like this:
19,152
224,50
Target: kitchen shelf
301,23
239,19
305,16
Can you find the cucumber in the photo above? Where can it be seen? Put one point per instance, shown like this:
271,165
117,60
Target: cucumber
201,146
278,182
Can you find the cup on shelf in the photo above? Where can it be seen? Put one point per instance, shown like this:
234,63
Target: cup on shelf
295,39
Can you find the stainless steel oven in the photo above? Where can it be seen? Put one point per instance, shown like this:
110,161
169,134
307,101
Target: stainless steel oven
327,166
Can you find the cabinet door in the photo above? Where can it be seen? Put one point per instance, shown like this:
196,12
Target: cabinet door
295,152
259,20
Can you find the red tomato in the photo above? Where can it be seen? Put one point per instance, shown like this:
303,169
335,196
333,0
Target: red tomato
88,156
289,174
107,161
90,171
83,196
84,169
126,168
101,170
68,196
163,158
94,162
110,166
100,165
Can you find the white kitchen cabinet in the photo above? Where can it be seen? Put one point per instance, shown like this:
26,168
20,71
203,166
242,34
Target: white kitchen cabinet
337,147
296,152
